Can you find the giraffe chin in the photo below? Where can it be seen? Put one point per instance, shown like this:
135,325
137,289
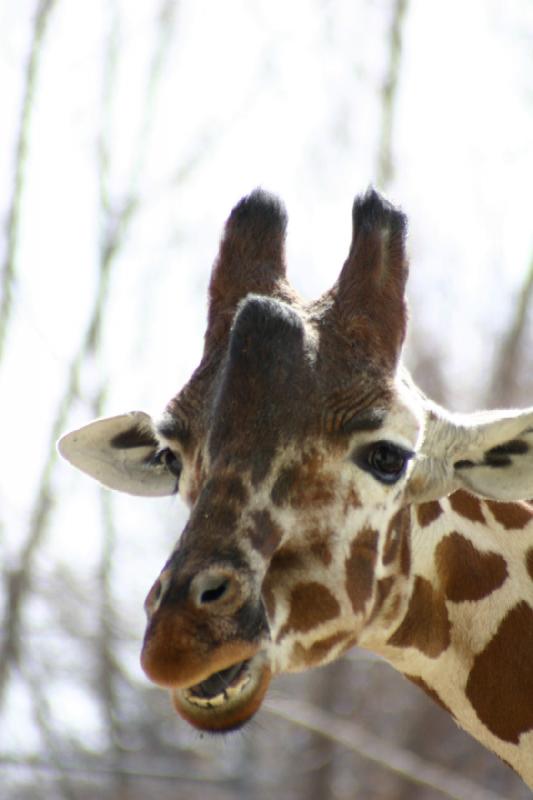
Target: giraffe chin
226,700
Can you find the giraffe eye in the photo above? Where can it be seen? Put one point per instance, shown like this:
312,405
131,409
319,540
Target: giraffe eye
384,460
170,460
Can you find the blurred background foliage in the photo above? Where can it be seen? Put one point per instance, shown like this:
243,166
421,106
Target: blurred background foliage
129,130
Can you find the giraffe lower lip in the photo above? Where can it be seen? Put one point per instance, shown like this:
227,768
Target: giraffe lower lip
227,699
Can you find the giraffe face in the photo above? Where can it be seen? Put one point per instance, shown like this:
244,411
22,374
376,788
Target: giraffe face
291,443
292,472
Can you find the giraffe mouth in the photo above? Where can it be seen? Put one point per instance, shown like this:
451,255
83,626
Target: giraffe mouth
220,687
227,699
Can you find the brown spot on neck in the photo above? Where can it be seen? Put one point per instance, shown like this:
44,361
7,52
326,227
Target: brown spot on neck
317,652
465,572
397,543
500,684
427,513
360,567
513,516
426,625
467,506
285,563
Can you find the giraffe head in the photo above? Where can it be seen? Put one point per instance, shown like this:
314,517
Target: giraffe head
300,446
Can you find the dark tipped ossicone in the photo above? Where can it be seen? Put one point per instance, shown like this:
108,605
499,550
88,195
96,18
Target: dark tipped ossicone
370,305
371,211
251,259
260,210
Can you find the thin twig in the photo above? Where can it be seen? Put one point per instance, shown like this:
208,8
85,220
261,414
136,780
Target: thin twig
19,579
508,362
104,650
8,270
389,95
98,768
15,581
166,21
42,715
114,227
386,755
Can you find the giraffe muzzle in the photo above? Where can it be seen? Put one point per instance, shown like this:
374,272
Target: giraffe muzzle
205,642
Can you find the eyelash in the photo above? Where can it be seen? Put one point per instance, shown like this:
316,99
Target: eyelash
171,461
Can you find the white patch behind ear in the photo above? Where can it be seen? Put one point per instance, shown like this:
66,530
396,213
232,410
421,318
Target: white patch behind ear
118,452
489,453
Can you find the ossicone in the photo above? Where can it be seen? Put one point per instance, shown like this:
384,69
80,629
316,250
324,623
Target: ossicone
251,257
369,294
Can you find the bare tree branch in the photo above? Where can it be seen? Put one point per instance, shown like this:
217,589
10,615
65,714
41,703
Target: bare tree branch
386,755
427,369
19,580
8,270
14,583
98,767
110,241
166,23
331,684
389,94
41,712
509,362
115,228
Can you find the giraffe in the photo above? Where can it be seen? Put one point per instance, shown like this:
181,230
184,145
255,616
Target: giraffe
331,502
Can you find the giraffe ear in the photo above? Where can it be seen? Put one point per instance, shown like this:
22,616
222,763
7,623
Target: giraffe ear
489,454
121,453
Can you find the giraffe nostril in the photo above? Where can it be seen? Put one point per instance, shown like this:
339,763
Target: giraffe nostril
153,597
214,593
157,593
215,587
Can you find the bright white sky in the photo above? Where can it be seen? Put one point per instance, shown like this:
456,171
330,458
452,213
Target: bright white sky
280,94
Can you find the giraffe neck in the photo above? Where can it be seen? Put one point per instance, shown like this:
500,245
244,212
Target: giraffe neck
463,627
